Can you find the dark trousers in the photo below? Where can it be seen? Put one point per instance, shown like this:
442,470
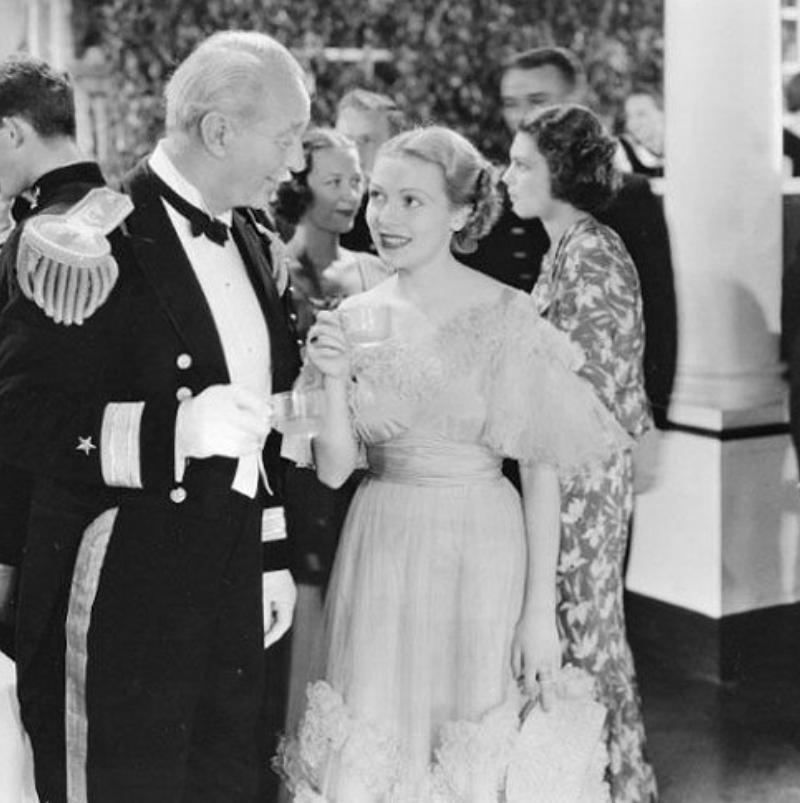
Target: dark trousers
171,682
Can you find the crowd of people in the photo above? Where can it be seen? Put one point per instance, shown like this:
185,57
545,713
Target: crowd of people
450,536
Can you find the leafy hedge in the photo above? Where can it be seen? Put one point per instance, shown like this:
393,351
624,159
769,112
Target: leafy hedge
445,52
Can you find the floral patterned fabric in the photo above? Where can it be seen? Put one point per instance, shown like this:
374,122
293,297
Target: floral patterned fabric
589,289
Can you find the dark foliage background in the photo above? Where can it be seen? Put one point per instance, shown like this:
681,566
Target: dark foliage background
445,53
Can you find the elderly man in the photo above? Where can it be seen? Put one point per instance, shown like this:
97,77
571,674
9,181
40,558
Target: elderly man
134,386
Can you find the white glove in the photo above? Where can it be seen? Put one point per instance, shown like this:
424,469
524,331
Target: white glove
224,421
279,597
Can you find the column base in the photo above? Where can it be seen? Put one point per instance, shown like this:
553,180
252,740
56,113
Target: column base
759,645
762,386
719,535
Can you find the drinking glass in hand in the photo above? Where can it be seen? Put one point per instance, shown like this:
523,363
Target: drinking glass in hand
297,412
366,325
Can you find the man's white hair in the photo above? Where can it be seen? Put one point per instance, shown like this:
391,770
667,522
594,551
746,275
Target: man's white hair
237,73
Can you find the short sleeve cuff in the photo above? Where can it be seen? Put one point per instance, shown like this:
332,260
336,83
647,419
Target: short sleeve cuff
120,455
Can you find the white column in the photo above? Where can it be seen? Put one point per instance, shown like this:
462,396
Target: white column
49,31
61,45
35,24
723,196
719,534
13,13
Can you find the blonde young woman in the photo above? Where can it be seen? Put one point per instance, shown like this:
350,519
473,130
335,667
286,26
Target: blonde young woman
443,591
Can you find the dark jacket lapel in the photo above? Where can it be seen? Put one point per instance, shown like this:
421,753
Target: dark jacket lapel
255,253
158,252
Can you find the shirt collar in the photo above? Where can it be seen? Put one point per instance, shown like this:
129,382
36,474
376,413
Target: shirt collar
164,167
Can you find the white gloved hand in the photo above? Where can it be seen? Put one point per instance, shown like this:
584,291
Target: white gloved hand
224,421
279,597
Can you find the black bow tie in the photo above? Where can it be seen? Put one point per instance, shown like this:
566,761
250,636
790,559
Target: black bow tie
21,209
199,221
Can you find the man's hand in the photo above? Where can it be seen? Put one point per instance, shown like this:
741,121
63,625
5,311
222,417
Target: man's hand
224,421
8,583
279,596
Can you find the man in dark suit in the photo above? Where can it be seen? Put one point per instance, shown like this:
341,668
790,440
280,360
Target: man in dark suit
134,386
513,250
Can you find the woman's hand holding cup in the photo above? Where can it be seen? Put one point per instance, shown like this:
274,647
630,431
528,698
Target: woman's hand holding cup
327,347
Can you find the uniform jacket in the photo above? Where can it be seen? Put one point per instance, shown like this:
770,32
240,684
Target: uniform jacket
87,412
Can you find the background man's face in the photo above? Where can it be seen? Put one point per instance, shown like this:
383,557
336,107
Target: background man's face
645,121
524,91
368,129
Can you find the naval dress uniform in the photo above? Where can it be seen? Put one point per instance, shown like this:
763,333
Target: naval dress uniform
139,625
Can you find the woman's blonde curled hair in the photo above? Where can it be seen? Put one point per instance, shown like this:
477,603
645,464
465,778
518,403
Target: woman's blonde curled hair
468,177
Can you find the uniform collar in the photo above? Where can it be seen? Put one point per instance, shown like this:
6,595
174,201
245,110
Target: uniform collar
48,185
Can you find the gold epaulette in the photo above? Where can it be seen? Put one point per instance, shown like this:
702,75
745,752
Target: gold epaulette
64,262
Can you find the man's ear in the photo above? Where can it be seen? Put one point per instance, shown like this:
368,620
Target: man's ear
216,133
18,130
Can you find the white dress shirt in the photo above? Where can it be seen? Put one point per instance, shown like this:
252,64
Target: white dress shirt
240,323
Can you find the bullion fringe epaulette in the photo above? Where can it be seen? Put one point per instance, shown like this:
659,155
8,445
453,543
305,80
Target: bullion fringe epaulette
64,262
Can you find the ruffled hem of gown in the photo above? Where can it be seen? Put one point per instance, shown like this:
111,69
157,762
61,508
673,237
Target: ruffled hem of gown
471,762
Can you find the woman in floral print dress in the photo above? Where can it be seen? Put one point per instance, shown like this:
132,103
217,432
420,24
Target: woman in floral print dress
561,171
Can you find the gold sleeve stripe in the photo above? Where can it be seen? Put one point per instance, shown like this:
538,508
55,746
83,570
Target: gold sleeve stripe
85,580
119,444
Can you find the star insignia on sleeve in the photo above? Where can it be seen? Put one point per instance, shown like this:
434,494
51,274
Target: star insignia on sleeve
85,445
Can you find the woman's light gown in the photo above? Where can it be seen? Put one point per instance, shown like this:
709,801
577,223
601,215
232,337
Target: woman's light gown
428,583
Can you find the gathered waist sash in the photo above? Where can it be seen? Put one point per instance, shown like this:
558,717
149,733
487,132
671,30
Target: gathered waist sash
432,461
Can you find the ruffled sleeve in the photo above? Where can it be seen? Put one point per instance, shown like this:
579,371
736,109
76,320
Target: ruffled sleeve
539,408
